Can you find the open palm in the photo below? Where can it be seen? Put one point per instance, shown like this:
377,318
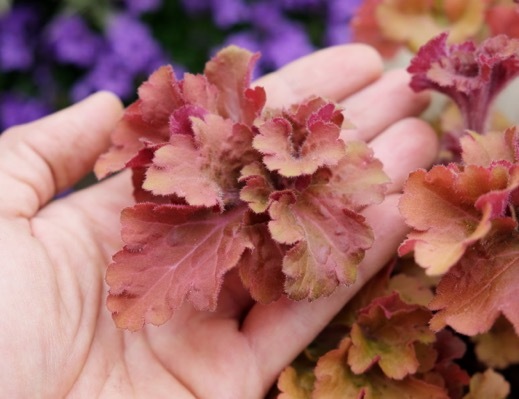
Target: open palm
57,338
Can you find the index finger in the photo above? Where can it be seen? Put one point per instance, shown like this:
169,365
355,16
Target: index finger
333,73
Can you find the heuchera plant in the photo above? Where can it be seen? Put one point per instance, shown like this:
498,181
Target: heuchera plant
223,183
391,340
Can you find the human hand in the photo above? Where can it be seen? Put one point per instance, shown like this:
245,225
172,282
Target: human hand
58,339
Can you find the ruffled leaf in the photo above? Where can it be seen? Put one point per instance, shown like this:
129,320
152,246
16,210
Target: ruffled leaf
356,181
480,287
451,208
471,75
302,140
146,120
329,242
165,105
172,253
294,385
202,168
387,333
230,71
258,187
335,379
260,266
483,150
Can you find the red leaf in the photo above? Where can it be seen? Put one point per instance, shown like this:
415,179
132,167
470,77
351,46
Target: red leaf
173,253
230,71
203,168
480,287
165,105
146,120
260,266
329,243
471,75
386,333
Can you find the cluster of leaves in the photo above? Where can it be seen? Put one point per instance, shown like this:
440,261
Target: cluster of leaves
390,25
391,341
380,346
465,227
222,182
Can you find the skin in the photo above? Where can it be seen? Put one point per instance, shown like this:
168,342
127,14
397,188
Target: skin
57,338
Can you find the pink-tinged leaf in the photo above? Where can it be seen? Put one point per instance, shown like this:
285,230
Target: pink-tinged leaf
335,379
357,180
181,119
488,385
499,347
203,168
329,242
302,139
386,333
480,287
172,253
146,120
159,96
199,92
258,187
179,169
483,150
260,266
471,75
452,207
230,71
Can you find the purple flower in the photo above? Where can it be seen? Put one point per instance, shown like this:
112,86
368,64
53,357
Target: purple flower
337,33
72,41
342,10
229,12
109,73
133,43
286,44
265,17
17,30
137,7
244,39
16,109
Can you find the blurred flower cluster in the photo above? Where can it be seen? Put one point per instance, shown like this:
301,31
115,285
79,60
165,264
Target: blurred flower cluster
57,53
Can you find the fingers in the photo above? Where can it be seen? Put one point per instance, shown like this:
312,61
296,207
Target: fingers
381,104
333,73
402,146
39,159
